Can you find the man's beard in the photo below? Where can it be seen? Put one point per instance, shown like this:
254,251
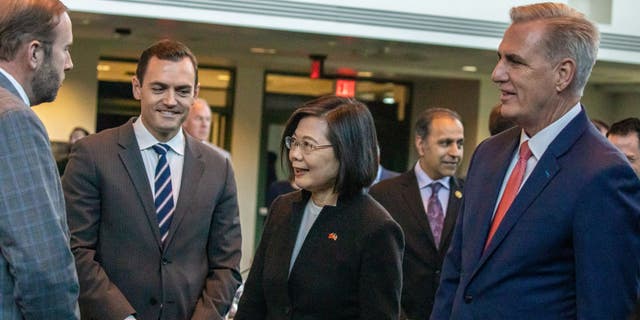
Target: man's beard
45,84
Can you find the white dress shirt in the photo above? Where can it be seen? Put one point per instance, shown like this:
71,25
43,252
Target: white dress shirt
538,145
424,181
175,156
16,84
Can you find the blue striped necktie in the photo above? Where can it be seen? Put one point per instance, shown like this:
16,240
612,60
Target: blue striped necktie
163,192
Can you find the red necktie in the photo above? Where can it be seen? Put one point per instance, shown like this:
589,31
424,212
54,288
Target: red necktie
511,190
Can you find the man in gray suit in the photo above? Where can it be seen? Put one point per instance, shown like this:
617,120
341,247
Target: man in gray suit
153,212
37,274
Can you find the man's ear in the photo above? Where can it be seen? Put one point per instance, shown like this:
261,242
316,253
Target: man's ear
136,87
196,90
35,54
418,145
566,73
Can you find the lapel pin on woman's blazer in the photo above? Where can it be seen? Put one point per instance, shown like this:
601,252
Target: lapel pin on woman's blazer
458,194
333,236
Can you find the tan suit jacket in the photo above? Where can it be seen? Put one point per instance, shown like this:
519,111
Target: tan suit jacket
122,265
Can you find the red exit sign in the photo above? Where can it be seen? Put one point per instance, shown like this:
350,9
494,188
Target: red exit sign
345,88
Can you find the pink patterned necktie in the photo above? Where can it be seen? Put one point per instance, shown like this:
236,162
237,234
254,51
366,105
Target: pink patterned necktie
435,213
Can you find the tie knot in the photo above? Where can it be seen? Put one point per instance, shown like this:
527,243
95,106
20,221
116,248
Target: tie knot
435,187
161,148
525,152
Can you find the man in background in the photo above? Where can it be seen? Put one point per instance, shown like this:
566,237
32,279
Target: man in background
198,124
153,212
549,220
425,202
37,272
383,173
625,135
498,123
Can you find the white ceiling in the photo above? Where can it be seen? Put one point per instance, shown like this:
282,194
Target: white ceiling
230,46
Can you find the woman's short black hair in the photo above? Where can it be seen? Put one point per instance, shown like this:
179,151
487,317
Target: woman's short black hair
352,133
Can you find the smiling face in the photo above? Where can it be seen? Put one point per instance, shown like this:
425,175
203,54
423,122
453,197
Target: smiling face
48,77
317,171
441,150
165,96
526,78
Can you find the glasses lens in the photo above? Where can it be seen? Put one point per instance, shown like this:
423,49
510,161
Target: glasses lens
287,142
306,147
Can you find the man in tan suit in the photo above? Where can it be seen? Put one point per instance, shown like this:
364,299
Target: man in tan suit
153,212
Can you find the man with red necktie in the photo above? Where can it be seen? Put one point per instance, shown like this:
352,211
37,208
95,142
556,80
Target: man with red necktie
550,232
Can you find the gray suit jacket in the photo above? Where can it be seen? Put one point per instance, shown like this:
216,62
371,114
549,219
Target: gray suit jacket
37,274
122,265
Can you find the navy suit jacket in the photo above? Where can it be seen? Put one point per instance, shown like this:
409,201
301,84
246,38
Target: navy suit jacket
566,249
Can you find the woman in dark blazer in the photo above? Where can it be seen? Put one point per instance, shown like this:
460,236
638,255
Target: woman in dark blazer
328,251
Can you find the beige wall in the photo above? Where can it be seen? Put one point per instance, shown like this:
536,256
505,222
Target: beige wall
245,146
626,105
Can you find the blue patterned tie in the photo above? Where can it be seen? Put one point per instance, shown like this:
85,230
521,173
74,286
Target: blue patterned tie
435,213
163,192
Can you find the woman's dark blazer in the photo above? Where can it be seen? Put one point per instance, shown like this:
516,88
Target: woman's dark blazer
349,267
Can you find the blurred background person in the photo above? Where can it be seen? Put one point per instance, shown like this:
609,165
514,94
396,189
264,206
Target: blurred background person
198,124
425,202
625,135
602,126
328,251
498,123
76,134
279,187
383,173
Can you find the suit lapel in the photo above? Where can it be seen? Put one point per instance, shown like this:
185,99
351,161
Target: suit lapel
192,172
493,174
297,210
133,164
413,200
542,174
455,198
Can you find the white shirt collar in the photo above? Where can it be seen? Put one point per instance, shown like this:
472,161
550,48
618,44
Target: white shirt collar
424,180
14,82
146,140
541,140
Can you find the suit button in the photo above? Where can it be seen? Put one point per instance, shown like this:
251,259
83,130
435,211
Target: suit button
287,310
437,271
468,298
165,261
153,301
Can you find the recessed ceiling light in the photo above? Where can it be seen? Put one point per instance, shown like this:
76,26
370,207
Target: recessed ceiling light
469,68
388,100
263,50
104,67
365,74
223,77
